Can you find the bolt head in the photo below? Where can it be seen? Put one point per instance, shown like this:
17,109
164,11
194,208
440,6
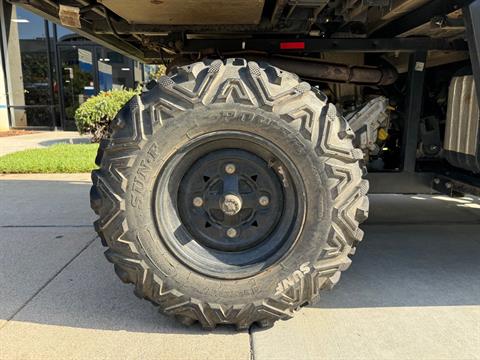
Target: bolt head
230,169
197,201
231,204
264,200
231,233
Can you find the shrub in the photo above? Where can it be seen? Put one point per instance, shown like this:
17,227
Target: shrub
95,115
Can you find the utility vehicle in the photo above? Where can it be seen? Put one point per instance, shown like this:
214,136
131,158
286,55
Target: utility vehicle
231,191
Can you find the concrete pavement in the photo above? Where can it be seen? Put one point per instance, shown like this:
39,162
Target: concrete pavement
40,139
412,292
60,298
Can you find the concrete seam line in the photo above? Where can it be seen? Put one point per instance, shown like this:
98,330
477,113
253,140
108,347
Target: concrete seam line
250,338
47,283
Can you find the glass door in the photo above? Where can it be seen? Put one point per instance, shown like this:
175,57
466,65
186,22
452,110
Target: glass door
77,65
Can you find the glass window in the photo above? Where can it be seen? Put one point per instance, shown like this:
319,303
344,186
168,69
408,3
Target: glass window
115,71
78,79
64,34
29,69
47,70
36,116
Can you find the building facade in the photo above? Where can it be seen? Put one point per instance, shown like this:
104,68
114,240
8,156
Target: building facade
47,71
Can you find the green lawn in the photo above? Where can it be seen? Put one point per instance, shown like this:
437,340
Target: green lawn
61,158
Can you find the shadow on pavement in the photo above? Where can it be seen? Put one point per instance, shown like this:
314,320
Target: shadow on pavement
411,265
418,251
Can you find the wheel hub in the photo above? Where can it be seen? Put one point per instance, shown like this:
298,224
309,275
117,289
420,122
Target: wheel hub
239,194
231,204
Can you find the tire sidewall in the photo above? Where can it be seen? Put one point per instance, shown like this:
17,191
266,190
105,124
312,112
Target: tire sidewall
170,138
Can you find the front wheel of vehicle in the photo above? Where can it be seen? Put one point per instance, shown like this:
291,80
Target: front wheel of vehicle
229,194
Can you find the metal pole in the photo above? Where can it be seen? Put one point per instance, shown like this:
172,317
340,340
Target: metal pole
416,77
96,75
472,25
58,69
50,74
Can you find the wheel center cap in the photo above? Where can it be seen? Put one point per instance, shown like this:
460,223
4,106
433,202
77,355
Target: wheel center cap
231,204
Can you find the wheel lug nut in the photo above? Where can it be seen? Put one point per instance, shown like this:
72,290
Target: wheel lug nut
230,169
231,233
197,201
264,200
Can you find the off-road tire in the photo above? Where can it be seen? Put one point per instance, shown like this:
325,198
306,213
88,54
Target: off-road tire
230,95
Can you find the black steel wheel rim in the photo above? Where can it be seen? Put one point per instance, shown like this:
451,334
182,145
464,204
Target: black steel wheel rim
229,205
